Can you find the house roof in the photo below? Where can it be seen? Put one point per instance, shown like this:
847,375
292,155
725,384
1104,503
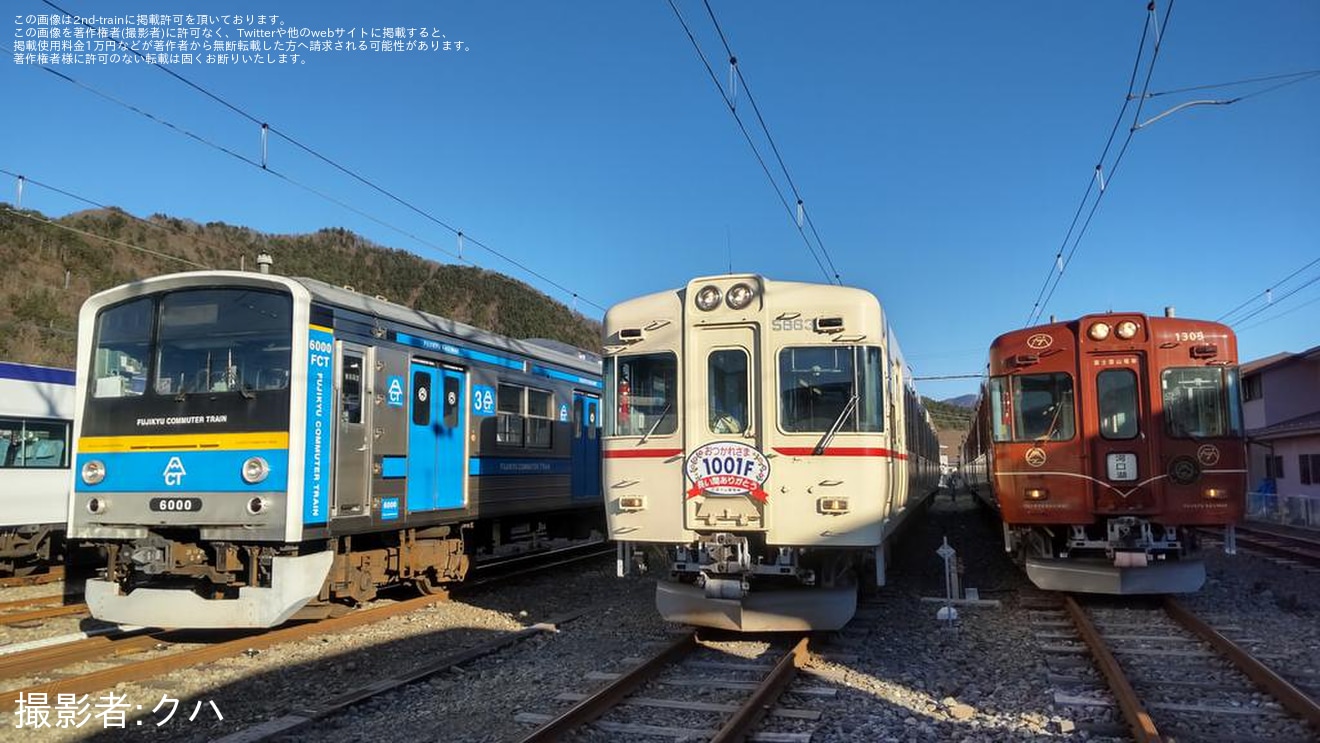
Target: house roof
1279,359
1302,425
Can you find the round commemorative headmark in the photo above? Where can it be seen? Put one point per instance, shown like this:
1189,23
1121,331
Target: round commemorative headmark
727,469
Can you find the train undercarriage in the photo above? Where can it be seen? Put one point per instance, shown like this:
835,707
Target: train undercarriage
736,581
210,584
1119,555
28,549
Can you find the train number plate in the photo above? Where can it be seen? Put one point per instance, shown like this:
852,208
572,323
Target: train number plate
175,505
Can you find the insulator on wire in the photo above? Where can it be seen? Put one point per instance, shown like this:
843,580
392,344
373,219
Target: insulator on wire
1100,177
733,82
18,187
265,130
799,214
1058,262
1269,296
460,245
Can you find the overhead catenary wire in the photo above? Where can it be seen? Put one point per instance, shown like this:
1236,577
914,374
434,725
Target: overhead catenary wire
1285,296
1267,292
801,204
1160,28
263,165
750,142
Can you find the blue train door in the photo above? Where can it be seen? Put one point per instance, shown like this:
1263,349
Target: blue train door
436,439
586,446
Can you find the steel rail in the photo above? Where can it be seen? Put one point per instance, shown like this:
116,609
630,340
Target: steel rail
34,601
1296,548
740,724
152,667
1293,698
36,579
45,659
1138,719
36,614
608,697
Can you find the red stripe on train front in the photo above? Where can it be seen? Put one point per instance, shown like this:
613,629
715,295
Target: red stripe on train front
839,451
640,453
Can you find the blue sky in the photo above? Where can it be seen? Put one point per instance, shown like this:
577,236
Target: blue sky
942,150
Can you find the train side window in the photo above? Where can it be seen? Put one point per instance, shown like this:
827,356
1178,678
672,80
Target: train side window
539,420
641,395
421,385
726,388
509,419
451,402
1117,393
37,444
1001,408
350,389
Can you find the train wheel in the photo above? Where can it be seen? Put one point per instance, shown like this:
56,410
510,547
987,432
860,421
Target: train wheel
427,585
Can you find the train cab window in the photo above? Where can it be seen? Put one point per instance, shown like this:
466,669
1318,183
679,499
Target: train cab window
821,386
234,340
509,419
123,348
726,387
1033,407
1201,402
539,419
1117,393
641,395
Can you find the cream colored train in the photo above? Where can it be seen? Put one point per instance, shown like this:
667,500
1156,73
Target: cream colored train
762,443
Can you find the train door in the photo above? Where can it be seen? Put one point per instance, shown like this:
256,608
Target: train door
437,447
586,446
721,429
353,443
1121,449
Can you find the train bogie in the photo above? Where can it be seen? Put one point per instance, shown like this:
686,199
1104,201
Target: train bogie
762,445
1104,442
252,447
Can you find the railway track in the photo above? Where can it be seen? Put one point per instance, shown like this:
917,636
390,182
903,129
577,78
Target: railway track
1290,545
656,697
171,650
1169,674
37,609
33,579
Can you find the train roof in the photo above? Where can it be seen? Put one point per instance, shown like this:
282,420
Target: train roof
35,373
551,352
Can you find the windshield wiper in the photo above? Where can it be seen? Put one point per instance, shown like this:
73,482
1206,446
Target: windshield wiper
654,425
838,423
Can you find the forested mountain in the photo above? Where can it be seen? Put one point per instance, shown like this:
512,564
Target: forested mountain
48,271
948,416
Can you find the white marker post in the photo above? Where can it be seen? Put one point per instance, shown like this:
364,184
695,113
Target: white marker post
947,613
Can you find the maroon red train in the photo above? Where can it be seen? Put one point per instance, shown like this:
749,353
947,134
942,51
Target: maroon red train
1103,442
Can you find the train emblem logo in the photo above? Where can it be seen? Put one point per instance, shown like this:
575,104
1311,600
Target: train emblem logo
727,468
1208,455
1036,456
1040,341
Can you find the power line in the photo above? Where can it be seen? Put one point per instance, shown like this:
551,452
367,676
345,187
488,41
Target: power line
85,233
362,179
775,148
1098,176
746,135
1267,320
1259,310
1291,76
1265,293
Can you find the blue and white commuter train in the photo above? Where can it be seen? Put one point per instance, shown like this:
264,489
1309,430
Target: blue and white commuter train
36,407
252,446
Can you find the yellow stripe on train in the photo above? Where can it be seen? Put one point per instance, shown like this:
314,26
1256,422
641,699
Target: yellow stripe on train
185,441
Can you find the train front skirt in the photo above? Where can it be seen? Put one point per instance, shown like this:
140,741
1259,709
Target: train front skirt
786,610
294,582
1102,576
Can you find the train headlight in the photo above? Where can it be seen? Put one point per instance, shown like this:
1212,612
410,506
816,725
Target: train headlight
832,505
632,503
1036,494
1126,330
708,298
1098,331
739,296
1214,493
96,506
255,469
256,506
93,471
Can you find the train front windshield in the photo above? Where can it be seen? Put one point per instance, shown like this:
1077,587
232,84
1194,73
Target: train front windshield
1201,402
200,351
